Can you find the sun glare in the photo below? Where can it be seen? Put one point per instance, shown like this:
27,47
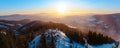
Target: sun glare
61,7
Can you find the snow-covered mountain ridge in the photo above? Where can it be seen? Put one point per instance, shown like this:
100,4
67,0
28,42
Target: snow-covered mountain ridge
58,39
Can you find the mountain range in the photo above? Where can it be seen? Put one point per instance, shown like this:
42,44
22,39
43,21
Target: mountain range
41,31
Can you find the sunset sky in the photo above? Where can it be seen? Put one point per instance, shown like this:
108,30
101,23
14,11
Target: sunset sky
60,6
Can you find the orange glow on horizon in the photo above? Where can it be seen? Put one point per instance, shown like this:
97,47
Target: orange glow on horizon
53,12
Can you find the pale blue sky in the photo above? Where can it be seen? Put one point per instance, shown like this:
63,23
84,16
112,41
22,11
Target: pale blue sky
8,6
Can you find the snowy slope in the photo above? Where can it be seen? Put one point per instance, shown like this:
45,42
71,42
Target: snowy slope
60,40
35,42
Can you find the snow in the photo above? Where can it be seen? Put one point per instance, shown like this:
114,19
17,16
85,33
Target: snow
105,46
99,22
3,23
11,24
92,25
16,32
3,32
106,26
91,19
71,26
119,46
35,42
4,26
62,41
20,24
26,27
76,45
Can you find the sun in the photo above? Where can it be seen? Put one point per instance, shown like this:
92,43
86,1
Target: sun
61,7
